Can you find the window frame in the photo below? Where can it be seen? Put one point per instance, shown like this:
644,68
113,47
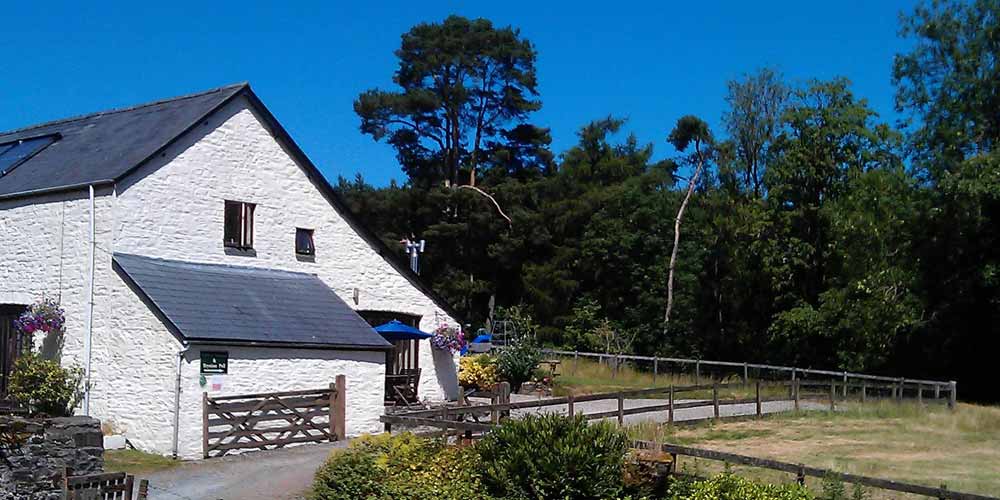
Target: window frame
311,234
244,225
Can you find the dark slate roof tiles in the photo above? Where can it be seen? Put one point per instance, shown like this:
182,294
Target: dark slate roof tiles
220,303
105,146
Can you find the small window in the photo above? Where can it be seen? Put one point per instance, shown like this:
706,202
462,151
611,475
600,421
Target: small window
239,225
304,242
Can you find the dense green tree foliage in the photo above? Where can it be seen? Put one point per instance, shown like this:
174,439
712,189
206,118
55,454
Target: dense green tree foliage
816,233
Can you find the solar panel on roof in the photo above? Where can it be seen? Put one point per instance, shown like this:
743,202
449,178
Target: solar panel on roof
13,153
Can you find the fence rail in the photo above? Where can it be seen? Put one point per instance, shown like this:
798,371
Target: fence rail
802,471
273,420
457,417
938,387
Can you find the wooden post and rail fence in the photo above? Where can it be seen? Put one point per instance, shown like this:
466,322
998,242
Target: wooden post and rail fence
273,419
896,386
802,471
457,418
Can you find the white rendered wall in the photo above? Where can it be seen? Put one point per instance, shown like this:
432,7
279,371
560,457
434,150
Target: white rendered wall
251,369
174,209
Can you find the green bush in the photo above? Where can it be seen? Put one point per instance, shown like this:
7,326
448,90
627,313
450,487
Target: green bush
516,363
732,487
348,475
45,387
400,467
553,456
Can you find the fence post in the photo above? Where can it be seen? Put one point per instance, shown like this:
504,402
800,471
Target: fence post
621,408
656,368
576,359
793,379
795,390
715,398
953,394
614,372
758,399
339,412
569,405
670,408
937,392
204,424
920,393
864,390
494,401
833,395
899,394
505,397
746,375
697,372
845,385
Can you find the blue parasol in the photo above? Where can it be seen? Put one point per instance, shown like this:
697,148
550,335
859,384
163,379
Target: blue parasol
396,330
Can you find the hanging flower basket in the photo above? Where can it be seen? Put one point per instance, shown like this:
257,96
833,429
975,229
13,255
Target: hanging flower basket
43,316
448,338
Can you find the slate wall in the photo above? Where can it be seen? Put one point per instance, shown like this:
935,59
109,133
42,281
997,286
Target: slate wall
34,471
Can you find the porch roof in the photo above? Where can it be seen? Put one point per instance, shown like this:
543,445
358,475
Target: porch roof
244,305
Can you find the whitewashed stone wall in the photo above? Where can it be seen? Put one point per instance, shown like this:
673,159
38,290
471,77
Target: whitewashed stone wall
284,370
174,210
44,251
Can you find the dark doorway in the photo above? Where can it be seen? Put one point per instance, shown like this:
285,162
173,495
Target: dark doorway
402,362
10,344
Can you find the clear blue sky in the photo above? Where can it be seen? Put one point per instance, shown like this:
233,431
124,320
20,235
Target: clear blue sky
651,62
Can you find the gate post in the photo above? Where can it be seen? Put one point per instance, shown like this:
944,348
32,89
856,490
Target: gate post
338,408
204,424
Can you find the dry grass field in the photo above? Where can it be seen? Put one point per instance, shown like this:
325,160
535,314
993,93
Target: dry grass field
927,445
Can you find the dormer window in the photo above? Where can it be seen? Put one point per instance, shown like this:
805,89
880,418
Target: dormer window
304,242
238,231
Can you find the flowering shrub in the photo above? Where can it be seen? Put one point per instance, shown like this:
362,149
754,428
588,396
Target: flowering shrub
448,338
43,316
38,381
399,467
478,371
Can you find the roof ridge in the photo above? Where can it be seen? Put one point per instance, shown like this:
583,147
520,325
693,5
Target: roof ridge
124,109
214,264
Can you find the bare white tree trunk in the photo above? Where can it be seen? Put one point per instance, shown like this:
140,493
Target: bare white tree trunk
692,182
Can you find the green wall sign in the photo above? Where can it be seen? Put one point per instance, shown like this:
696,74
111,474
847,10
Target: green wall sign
214,362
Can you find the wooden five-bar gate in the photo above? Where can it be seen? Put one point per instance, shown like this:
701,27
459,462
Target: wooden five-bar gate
273,420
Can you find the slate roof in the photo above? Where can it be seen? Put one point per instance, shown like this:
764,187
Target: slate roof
234,305
103,147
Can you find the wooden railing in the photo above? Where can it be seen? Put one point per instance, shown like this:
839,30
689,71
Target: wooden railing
901,386
802,471
273,420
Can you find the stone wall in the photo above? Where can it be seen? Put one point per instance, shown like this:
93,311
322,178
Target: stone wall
34,469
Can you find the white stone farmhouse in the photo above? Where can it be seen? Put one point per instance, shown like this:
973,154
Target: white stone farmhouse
196,224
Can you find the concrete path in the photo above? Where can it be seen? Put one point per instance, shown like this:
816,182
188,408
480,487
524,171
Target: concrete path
278,474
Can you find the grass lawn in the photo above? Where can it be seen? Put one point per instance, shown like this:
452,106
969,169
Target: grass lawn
587,376
136,462
930,445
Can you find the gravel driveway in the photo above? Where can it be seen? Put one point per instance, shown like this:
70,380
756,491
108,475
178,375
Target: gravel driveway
278,474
